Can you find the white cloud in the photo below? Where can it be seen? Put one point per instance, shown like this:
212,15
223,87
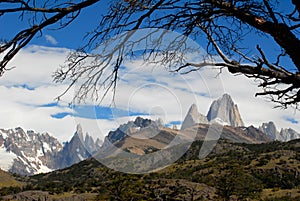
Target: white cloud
51,40
19,106
142,88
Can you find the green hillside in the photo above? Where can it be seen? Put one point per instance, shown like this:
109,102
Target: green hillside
233,171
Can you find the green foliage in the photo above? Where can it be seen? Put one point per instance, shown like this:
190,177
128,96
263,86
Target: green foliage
236,181
10,190
239,171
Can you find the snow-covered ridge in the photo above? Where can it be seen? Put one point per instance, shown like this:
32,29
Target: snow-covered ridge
28,152
7,158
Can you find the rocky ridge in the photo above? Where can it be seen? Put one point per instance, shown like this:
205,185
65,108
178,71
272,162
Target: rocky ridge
225,112
285,134
27,152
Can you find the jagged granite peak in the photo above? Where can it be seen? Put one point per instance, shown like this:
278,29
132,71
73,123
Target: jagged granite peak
90,144
98,142
132,127
193,117
27,152
140,122
287,134
225,111
77,149
79,132
270,130
129,128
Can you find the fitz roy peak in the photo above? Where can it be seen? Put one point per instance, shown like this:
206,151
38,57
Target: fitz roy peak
222,111
225,111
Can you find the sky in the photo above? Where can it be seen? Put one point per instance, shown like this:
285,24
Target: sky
28,92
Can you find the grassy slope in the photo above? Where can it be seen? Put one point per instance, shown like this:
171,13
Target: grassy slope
274,168
7,180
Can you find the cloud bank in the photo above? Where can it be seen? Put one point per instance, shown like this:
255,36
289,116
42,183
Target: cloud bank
28,96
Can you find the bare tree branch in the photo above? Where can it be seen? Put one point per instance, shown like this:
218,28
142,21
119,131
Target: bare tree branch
224,28
21,39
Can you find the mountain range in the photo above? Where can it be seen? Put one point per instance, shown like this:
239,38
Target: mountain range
225,112
28,153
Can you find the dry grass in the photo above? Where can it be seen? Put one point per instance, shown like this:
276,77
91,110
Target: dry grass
272,193
6,180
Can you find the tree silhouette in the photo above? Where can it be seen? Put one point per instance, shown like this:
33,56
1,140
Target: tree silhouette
224,27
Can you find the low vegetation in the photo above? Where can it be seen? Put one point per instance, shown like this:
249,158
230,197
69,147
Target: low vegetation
233,171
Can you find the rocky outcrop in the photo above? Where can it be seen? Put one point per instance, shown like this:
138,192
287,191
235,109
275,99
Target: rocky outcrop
193,117
224,111
27,152
131,127
73,151
44,196
270,130
256,134
285,134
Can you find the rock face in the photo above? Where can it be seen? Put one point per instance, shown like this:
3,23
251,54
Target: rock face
193,117
285,134
28,153
256,134
78,149
224,111
270,130
131,127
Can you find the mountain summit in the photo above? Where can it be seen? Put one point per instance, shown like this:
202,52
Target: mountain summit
270,130
285,134
225,111
27,152
193,117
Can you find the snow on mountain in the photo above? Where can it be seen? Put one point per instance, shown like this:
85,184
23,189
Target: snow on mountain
27,152
220,121
226,110
7,159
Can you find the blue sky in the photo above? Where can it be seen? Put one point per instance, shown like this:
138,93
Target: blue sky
28,99
69,37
